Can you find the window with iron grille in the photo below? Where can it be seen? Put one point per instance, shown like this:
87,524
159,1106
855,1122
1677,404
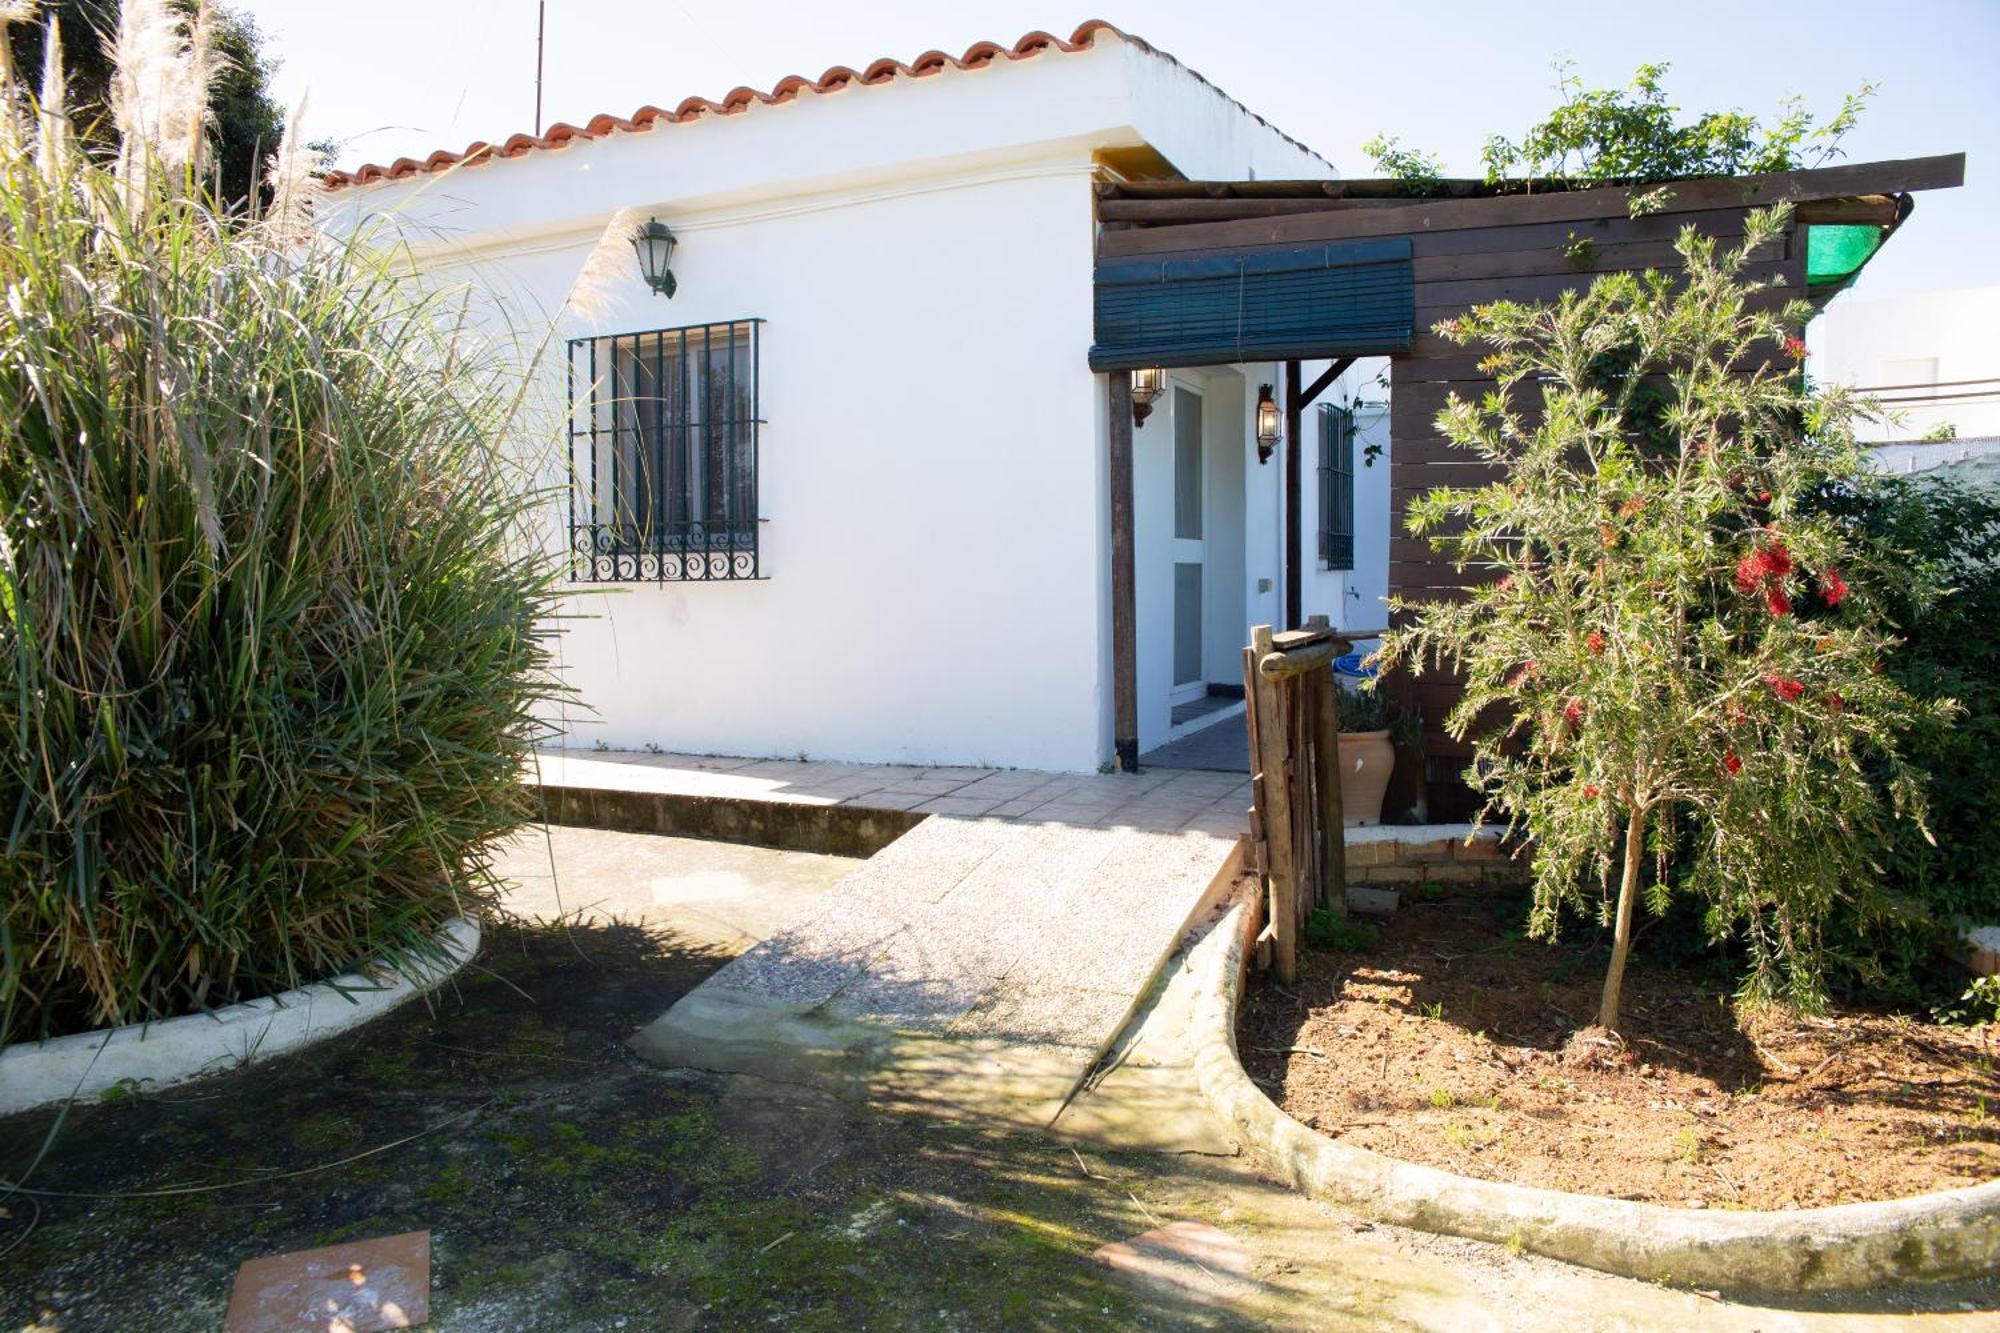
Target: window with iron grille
663,455
1336,487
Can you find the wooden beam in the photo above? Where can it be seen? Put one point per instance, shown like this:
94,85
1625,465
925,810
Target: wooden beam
1174,212
1124,597
1294,566
1326,377
1923,173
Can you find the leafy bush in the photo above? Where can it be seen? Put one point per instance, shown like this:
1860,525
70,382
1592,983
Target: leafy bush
1949,535
1633,134
1327,929
1681,647
266,611
1361,708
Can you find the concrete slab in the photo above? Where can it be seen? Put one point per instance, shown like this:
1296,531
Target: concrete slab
980,963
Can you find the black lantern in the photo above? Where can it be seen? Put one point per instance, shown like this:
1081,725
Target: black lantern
654,245
1267,423
1147,385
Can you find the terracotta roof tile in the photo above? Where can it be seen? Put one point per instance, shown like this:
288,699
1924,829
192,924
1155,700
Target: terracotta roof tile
738,100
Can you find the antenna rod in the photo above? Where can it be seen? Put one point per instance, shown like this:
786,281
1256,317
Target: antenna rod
541,29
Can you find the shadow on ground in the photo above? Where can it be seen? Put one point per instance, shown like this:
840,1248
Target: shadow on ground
568,1184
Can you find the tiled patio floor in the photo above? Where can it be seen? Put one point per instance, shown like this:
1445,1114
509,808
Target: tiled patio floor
983,959
1159,800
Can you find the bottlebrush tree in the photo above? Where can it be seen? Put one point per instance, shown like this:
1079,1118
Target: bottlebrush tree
1674,666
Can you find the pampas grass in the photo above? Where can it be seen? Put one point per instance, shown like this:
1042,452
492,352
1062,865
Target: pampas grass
267,617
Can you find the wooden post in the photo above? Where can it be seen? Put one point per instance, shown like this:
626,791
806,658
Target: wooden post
1326,772
1124,605
1278,836
1294,566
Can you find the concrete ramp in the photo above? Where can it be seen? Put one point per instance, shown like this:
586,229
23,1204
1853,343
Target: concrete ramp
976,965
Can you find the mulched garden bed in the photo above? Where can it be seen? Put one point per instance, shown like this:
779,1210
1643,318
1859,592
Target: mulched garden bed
1444,1042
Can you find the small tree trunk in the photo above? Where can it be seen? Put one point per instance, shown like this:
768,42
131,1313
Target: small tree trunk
1621,933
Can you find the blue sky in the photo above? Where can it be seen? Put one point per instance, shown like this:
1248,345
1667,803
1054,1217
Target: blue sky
390,78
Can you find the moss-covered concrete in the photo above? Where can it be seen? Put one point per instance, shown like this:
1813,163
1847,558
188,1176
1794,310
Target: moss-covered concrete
570,1186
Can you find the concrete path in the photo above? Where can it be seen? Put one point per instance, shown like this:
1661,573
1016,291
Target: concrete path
983,961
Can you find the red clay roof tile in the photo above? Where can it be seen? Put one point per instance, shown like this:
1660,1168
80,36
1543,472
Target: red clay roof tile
738,100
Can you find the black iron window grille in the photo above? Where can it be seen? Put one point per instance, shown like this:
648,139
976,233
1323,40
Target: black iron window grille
663,455
1336,487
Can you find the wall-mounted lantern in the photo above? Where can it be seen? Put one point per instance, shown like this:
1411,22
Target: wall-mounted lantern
654,245
1147,385
1267,423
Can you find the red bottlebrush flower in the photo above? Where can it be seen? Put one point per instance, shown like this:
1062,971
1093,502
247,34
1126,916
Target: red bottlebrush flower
1573,712
1764,497
1832,588
1731,762
1775,560
1776,602
1595,642
1783,686
1747,575
1836,704
1795,348
1591,791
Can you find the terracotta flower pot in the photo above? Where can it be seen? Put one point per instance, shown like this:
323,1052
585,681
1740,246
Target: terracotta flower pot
1366,760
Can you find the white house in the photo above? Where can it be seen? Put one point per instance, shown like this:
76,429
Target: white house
844,493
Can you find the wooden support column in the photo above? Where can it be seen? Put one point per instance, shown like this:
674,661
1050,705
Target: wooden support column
1295,579
1326,778
1124,597
1271,761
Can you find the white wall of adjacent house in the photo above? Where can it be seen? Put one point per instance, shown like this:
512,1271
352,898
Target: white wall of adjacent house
1932,357
932,477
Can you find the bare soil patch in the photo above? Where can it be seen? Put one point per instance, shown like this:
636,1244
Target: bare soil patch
1454,1042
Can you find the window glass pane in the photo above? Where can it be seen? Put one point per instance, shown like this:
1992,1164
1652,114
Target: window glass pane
1187,624
1187,464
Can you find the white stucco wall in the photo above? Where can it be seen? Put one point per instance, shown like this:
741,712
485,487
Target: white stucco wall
932,471
1949,339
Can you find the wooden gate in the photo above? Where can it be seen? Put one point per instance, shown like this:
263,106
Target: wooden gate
1296,839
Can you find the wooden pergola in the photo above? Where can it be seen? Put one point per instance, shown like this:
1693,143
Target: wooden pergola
1360,268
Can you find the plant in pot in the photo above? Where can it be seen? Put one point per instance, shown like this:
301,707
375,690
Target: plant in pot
1367,754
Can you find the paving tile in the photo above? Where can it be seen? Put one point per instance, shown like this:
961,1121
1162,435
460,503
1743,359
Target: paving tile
965,807
362,1287
888,800
923,786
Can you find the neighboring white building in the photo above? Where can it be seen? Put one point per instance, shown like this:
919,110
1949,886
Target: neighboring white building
1932,358
893,486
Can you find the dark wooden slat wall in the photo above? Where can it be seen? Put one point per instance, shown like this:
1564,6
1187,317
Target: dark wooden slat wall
1454,272
1473,244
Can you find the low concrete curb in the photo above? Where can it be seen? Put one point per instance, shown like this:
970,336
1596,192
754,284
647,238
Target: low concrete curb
792,826
88,1064
1952,1234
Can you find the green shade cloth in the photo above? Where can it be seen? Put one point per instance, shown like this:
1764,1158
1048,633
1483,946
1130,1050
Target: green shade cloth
1835,252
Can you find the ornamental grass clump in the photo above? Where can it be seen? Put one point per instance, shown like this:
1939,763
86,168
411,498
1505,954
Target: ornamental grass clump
266,607
1675,660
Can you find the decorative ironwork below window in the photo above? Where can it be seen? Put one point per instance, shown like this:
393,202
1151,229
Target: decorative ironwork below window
663,455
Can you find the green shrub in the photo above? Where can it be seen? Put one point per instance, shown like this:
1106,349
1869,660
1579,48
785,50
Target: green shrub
266,604
1949,535
1325,929
1681,644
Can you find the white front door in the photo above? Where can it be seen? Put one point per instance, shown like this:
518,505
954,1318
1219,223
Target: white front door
1190,548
